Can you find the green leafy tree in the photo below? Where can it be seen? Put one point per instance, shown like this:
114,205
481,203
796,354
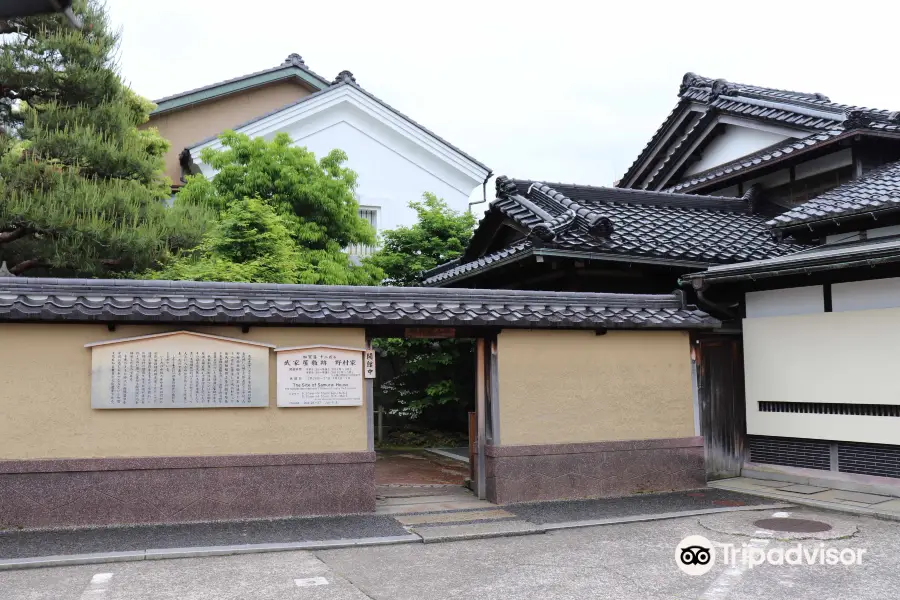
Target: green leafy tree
313,199
439,235
249,243
425,374
82,190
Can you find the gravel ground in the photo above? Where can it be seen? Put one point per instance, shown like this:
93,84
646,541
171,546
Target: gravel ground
609,508
22,544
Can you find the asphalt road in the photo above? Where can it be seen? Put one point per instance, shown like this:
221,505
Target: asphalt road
621,561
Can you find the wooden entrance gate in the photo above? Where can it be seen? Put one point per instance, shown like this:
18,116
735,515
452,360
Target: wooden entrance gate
723,417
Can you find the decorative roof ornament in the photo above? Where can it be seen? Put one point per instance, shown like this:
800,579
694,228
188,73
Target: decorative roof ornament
505,187
821,97
752,196
894,117
344,77
597,224
720,87
4,272
294,59
600,226
548,230
687,82
856,119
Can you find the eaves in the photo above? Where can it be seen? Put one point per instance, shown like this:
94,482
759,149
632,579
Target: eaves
540,253
367,104
764,164
212,92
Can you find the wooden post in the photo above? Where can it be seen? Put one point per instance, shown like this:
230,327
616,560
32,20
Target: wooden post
380,424
473,433
480,408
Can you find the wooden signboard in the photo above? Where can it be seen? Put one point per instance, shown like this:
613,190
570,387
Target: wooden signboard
320,376
369,364
181,369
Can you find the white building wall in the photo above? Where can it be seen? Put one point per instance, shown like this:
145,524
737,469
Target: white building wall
734,143
396,162
788,301
392,171
866,295
836,357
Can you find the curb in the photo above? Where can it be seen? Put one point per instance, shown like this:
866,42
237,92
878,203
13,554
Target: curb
824,504
197,552
230,550
661,516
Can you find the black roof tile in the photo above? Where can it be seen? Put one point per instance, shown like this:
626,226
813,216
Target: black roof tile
809,113
676,229
876,191
194,302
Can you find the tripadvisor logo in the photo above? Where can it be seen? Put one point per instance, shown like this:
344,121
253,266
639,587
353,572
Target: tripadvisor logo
696,555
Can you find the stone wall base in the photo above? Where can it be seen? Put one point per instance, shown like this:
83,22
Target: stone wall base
593,470
108,491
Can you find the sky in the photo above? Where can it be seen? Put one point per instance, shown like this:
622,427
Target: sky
554,91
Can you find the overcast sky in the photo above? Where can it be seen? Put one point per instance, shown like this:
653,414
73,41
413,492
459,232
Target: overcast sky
555,91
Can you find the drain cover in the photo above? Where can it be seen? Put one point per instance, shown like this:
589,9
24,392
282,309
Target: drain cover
793,525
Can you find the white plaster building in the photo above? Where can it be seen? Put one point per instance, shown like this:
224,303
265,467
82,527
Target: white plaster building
397,159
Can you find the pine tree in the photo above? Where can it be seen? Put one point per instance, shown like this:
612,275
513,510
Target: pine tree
82,190
250,242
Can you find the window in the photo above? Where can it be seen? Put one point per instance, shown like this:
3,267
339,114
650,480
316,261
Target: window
372,214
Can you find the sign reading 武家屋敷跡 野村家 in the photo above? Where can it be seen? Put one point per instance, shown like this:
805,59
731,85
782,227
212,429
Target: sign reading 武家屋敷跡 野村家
319,376
181,369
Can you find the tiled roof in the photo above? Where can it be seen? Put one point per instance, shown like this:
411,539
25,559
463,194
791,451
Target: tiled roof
454,269
193,302
877,190
346,78
799,109
674,229
750,161
806,112
868,254
294,61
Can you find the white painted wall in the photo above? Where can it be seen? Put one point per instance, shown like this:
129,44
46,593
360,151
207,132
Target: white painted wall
734,143
866,295
829,162
392,171
396,161
845,357
870,234
788,301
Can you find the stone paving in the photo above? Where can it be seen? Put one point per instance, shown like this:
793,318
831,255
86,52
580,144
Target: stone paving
434,512
625,561
878,505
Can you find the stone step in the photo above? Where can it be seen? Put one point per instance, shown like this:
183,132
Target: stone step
417,491
475,531
425,507
455,517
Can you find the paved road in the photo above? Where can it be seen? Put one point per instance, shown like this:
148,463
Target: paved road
621,561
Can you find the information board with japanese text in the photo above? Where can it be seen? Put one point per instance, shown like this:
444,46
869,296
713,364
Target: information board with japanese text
320,376
179,370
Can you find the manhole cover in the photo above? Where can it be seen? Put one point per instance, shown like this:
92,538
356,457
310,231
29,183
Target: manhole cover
793,525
